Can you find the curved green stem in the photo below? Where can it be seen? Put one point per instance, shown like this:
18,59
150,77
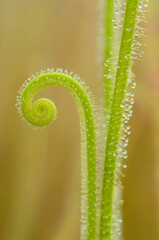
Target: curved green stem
43,111
116,118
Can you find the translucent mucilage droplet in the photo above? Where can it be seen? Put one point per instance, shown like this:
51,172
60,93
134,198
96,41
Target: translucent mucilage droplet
134,85
127,56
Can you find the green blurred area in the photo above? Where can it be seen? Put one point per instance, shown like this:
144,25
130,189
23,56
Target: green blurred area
40,169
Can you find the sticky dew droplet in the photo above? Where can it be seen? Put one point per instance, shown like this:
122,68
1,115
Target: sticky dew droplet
134,85
115,26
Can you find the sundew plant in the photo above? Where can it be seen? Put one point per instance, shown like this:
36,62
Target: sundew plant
101,187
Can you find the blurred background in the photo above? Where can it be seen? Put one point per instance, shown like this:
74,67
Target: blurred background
40,169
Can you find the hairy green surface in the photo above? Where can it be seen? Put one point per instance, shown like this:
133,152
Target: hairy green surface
118,78
116,119
109,42
43,111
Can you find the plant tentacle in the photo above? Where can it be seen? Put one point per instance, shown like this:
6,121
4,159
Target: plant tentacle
43,111
115,121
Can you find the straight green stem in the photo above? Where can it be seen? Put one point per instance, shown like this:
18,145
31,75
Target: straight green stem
116,118
109,41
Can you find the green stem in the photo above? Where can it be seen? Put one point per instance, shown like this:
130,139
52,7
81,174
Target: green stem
109,41
43,111
116,118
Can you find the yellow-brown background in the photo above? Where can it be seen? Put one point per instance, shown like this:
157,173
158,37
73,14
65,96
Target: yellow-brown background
40,170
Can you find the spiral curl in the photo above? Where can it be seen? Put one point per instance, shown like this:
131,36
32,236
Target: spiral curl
43,111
